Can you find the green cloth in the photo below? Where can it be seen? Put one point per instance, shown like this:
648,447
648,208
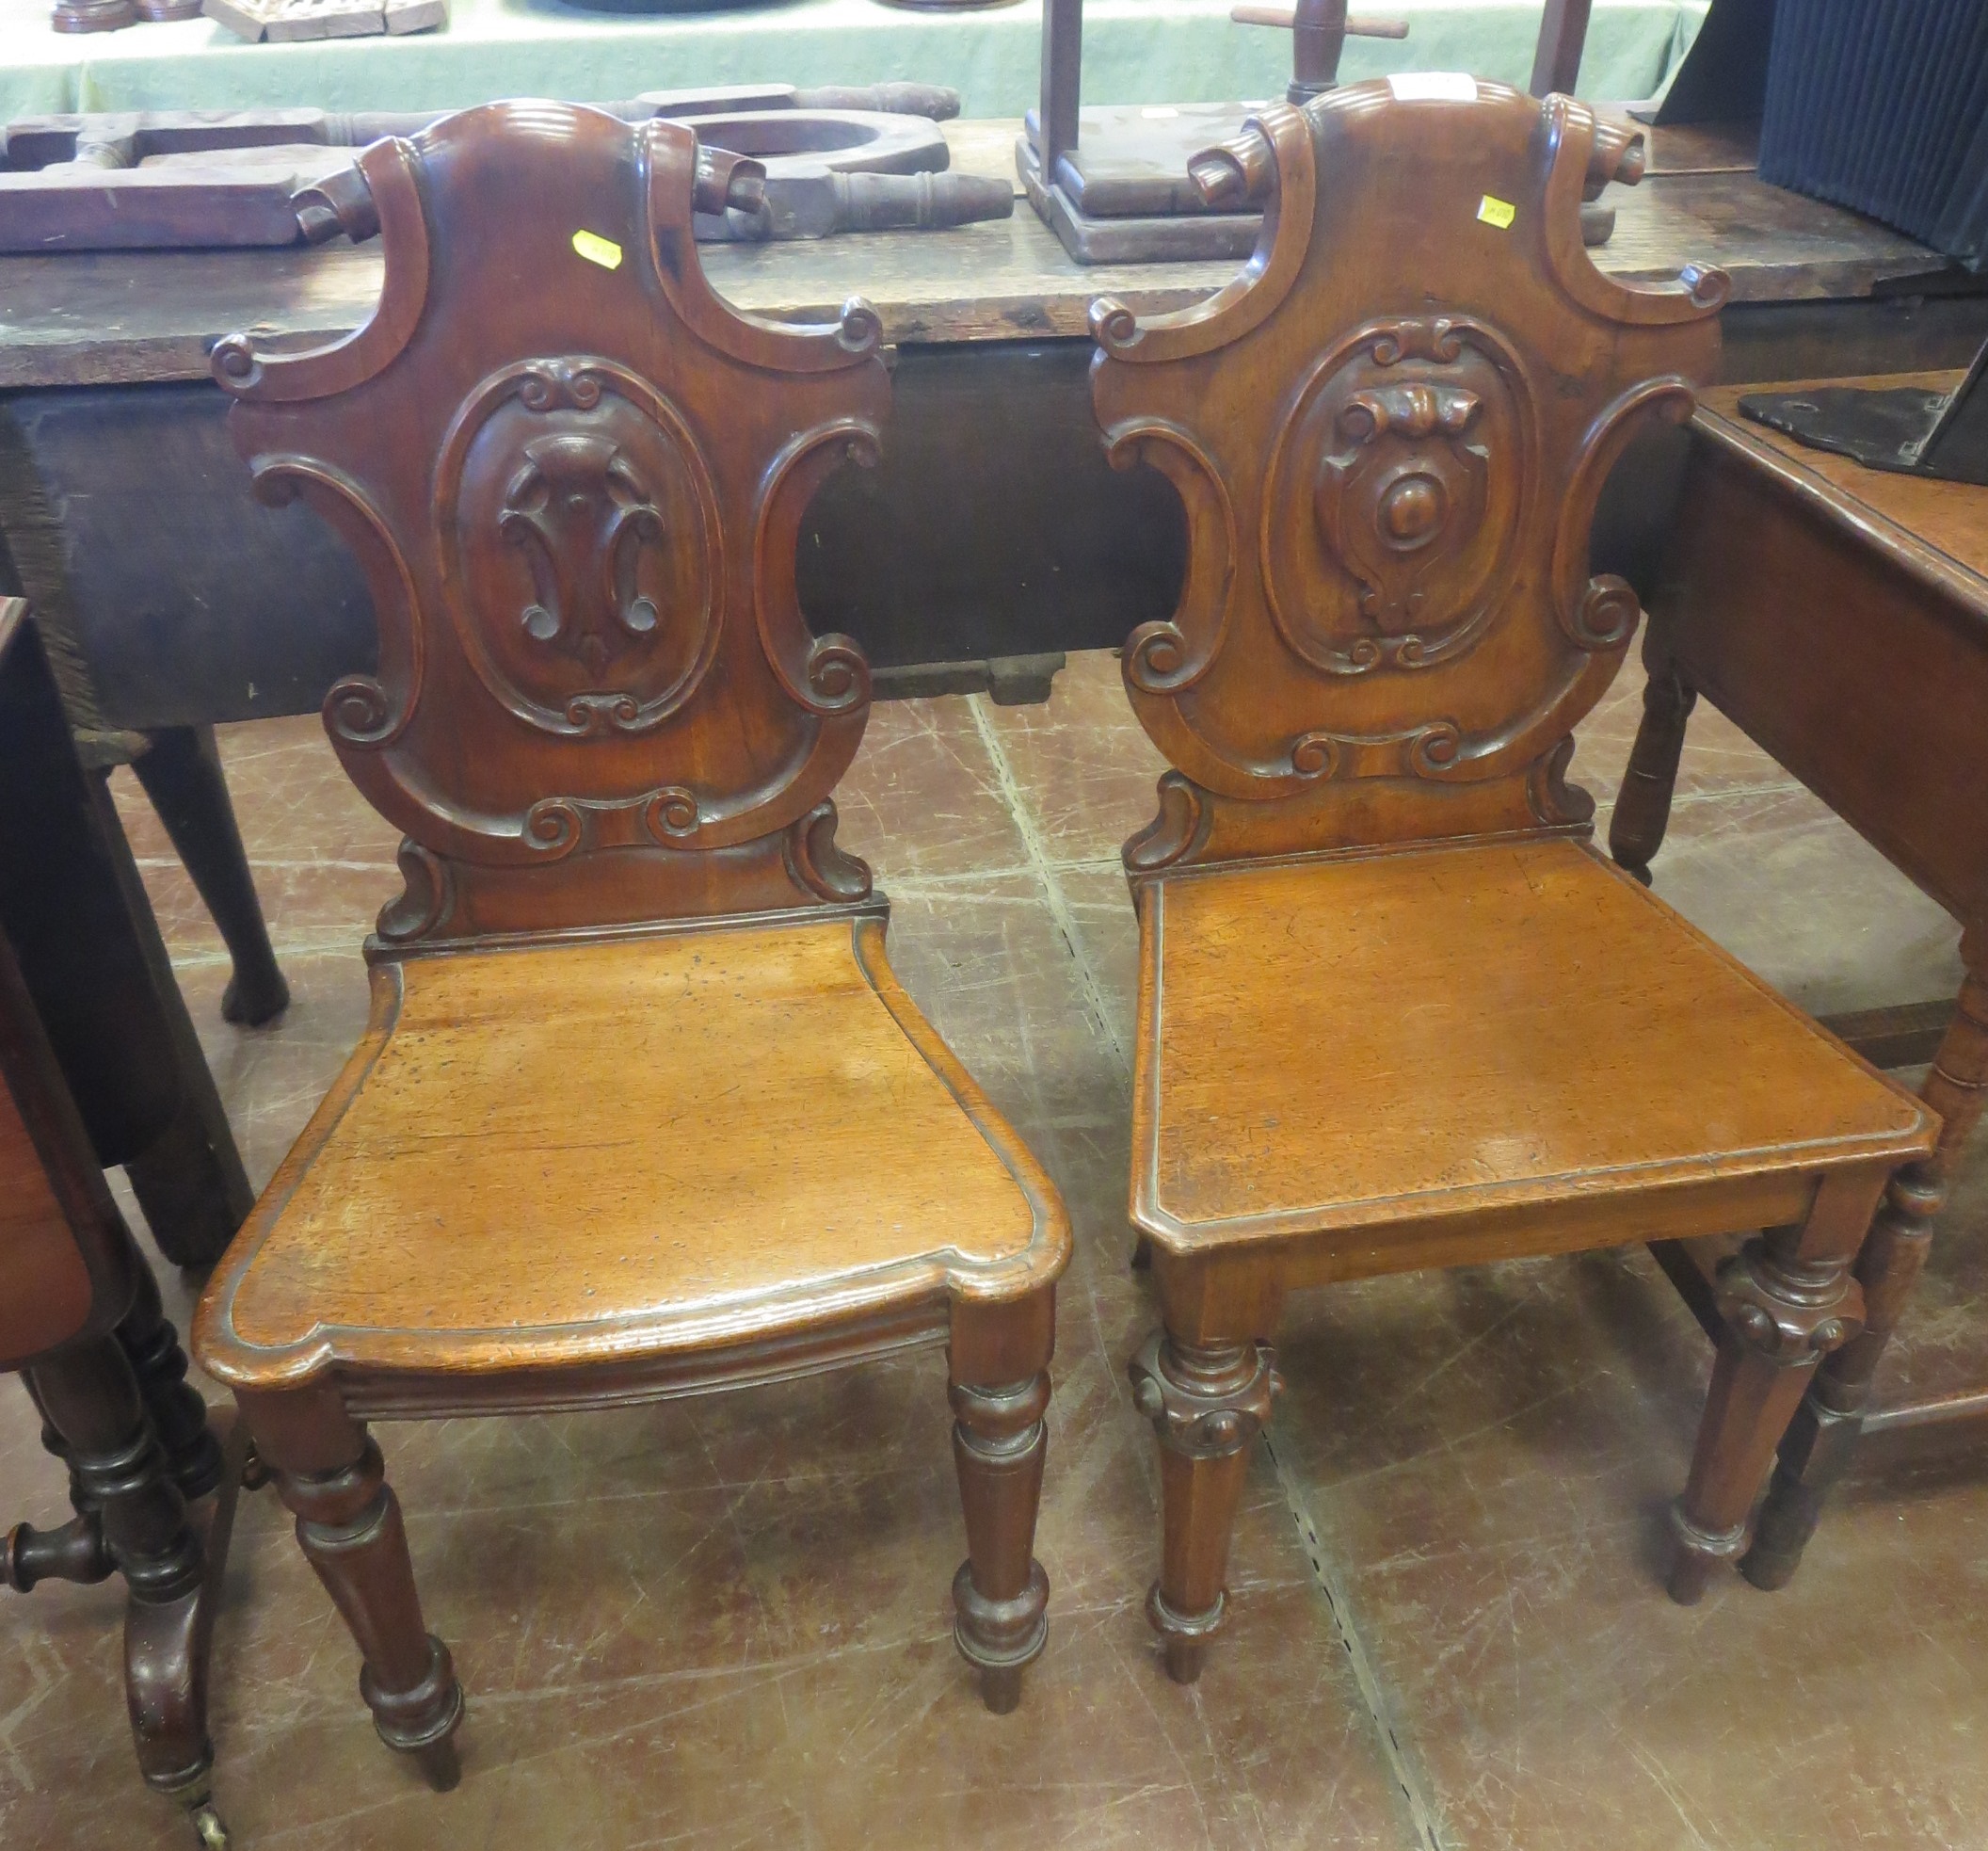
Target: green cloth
1135,51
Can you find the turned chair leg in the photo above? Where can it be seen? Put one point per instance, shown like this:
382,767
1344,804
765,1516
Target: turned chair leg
1815,1449
1642,806
999,1391
1207,1402
330,1473
1787,1299
182,775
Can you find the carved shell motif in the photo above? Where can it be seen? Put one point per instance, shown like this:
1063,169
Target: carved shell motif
1411,441
598,611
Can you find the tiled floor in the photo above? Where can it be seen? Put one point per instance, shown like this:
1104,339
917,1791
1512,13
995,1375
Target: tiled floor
724,1622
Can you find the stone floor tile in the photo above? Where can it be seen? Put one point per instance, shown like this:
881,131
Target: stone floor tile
924,799
1082,762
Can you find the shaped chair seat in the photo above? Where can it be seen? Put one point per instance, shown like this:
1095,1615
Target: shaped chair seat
643,1152
1398,1055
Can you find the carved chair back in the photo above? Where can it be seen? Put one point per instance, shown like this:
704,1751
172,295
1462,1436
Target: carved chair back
574,478
1389,434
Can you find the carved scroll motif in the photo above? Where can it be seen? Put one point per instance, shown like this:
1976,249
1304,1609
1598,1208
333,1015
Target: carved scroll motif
581,514
602,613
1601,613
361,712
1170,656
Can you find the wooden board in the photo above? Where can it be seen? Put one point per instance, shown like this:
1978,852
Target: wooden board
113,317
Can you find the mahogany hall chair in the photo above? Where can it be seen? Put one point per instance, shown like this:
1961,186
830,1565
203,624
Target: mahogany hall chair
1394,1012
641,1110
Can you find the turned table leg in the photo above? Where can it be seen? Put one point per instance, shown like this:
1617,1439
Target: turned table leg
1824,1432
1000,1390
1784,1299
330,1473
179,1416
182,775
125,1493
1642,806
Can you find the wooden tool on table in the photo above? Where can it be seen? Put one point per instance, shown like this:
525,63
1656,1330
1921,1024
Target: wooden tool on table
833,160
1387,631
81,1320
1112,183
642,1111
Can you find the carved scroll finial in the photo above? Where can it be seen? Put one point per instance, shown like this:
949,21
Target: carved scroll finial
1236,174
386,197
861,329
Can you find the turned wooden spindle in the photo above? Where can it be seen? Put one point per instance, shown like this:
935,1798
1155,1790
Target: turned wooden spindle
1319,31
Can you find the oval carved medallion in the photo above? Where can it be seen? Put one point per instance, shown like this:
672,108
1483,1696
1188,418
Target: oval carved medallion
1395,494
581,531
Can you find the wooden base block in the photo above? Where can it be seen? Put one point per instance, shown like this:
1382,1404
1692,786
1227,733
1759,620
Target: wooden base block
93,15
405,16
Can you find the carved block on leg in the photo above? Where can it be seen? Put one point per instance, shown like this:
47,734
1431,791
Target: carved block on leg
349,1524
1207,1404
1001,1595
1642,806
1822,1437
1781,1312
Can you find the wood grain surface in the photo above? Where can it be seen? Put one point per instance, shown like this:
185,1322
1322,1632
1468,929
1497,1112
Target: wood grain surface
564,1154
1579,1040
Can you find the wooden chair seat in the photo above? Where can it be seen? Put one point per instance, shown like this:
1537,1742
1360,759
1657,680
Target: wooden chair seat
638,1150
1282,1092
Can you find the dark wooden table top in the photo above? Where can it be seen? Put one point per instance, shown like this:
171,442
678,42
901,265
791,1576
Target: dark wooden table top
1936,530
113,317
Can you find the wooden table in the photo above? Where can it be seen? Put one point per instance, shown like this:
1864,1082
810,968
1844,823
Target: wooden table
1839,614
993,529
